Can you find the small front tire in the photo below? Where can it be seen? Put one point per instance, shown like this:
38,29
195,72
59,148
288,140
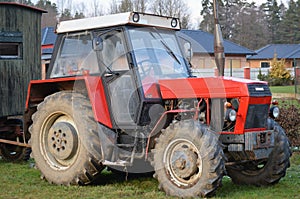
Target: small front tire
265,172
188,160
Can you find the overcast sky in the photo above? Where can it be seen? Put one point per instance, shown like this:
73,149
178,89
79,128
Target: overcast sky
194,6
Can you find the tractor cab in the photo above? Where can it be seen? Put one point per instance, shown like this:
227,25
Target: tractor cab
129,56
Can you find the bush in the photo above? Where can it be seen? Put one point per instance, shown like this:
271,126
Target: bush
263,77
278,74
289,119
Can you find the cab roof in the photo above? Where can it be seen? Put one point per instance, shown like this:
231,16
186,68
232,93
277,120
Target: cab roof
130,18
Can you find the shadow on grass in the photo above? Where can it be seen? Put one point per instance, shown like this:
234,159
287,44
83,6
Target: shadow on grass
229,189
108,177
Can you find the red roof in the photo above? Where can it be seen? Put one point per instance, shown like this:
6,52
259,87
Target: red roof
24,6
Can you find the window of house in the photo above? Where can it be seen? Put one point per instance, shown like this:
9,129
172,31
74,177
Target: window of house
295,62
265,64
10,50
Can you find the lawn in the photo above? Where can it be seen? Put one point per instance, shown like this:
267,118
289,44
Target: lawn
285,100
23,181
282,89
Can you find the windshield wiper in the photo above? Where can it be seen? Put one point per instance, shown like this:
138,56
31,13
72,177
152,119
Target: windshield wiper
170,52
162,41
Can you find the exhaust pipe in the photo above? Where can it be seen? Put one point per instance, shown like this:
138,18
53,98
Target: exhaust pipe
218,42
217,104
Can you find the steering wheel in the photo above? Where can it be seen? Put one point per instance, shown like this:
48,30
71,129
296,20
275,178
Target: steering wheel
145,67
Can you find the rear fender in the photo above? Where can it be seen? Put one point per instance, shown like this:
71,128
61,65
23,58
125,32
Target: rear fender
90,85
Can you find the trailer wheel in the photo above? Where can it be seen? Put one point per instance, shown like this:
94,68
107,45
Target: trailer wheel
10,152
266,172
188,160
13,153
62,136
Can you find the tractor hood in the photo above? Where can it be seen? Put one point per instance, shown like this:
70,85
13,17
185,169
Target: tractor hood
212,87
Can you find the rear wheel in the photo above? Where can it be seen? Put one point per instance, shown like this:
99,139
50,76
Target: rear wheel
62,135
265,172
188,160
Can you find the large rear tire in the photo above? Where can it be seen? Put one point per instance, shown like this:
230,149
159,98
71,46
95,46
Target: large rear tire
266,172
188,160
62,135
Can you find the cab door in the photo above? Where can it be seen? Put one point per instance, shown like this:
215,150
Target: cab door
118,78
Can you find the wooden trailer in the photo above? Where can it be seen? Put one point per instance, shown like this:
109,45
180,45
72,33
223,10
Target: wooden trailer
20,62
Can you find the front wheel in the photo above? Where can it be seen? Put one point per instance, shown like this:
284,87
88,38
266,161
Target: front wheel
188,160
62,134
265,172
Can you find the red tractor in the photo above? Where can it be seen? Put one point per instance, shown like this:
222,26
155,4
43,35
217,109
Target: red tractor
120,94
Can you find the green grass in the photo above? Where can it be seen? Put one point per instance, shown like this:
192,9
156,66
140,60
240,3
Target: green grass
289,102
22,181
286,90
282,89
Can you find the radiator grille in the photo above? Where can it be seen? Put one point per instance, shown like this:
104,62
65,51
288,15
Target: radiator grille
257,116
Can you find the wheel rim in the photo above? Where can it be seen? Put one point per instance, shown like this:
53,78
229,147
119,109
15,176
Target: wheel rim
60,142
183,163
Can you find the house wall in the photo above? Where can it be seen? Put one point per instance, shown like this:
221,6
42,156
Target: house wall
257,63
201,61
45,66
15,73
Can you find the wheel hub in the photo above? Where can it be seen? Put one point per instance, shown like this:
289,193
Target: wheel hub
184,162
62,140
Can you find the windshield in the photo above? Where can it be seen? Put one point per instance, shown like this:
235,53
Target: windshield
157,53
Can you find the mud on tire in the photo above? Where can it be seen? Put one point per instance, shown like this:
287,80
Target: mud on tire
64,139
188,160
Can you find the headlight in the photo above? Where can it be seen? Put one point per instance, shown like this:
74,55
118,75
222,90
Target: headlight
136,17
274,112
174,23
230,115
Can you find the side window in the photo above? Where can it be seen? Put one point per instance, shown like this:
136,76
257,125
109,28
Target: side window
75,56
113,53
11,45
10,50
